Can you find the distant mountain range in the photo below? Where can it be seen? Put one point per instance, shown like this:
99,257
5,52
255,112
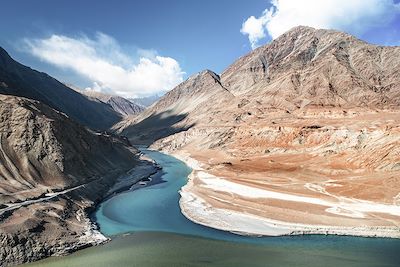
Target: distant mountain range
146,101
121,105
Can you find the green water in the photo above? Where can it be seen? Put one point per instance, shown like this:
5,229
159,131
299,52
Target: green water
161,236
165,249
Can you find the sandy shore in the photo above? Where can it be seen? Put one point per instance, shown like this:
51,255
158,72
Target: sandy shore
229,217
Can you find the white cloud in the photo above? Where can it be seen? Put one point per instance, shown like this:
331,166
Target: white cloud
255,28
354,16
102,61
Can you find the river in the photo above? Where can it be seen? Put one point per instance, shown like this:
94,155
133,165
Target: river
148,229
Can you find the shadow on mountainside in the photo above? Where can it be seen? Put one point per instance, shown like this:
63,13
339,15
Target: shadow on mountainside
19,80
155,127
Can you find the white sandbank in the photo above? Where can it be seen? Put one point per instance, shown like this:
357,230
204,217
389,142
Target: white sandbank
200,211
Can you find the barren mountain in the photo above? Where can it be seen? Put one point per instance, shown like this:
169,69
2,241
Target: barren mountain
146,101
19,80
52,171
169,115
300,135
121,105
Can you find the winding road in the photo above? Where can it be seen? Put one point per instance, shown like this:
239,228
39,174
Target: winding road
48,196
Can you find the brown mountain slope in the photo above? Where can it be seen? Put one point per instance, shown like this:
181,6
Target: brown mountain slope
19,80
52,170
318,67
168,115
305,137
302,68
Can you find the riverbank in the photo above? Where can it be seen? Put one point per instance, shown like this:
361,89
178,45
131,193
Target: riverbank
149,229
222,204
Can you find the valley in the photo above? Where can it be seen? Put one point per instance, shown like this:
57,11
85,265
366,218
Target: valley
147,228
301,133
295,141
53,172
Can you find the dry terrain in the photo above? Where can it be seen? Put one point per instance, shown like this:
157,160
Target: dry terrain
300,136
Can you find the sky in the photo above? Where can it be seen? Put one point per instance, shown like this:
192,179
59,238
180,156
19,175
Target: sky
140,48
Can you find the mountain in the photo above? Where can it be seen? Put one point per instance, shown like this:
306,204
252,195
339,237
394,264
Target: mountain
303,68
121,105
52,172
146,101
19,80
169,114
320,67
302,133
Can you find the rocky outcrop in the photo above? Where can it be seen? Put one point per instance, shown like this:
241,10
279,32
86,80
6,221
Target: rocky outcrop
52,173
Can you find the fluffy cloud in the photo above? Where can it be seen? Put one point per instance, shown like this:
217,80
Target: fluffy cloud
255,28
354,16
102,61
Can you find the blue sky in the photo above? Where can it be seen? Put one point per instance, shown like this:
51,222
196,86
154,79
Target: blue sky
136,48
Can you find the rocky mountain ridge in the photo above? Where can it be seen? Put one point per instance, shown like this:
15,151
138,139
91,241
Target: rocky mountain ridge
169,114
303,68
319,66
19,80
145,101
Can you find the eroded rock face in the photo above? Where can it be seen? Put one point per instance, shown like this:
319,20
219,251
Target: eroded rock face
315,113
52,172
42,147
